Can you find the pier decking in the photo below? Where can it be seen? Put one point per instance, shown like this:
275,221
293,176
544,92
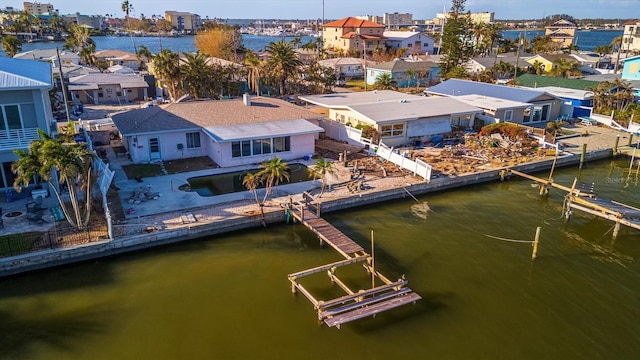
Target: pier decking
355,304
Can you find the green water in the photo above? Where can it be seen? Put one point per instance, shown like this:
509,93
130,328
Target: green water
228,297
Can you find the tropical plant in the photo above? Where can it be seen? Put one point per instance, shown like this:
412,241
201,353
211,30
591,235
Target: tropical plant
385,81
565,68
144,55
537,67
196,74
11,45
457,45
47,157
272,173
166,65
80,41
219,40
321,170
127,8
254,68
601,50
617,42
252,182
410,74
283,62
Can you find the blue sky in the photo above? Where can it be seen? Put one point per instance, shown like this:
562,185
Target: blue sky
335,9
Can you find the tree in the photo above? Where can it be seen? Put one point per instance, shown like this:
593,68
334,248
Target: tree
283,62
166,66
11,45
544,45
252,182
385,81
144,55
565,68
456,41
617,41
601,50
127,8
79,41
537,67
410,74
219,40
254,67
321,170
46,157
272,173
196,74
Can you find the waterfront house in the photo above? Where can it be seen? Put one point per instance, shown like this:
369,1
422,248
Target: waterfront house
351,34
631,36
631,69
108,88
424,72
118,57
482,63
25,107
544,106
548,61
415,43
231,132
576,94
496,110
562,32
348,67
50,55
397,117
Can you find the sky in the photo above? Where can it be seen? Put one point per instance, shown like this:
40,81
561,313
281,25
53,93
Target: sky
336,9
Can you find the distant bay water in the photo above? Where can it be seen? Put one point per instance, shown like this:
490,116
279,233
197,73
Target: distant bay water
587,40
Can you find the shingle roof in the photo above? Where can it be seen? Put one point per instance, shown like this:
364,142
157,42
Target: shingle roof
533,81
352,22
209,113
397,66
458,87
24,74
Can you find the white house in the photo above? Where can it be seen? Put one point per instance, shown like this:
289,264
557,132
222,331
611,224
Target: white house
230,132
24,108
101,88
345,66
398,118
417,43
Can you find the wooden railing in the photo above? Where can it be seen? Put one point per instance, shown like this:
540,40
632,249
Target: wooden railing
17,138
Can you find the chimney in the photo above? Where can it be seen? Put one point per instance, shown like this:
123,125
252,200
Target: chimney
246,99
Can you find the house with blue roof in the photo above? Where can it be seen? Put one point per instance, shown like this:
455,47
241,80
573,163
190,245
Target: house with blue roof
544,107
24,108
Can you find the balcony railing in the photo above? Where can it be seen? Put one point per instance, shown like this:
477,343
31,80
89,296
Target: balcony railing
17,138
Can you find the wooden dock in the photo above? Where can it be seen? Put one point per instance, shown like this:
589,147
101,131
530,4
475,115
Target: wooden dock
355,304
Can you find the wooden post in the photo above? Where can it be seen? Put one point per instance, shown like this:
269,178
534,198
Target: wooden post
582,155
535,244
615,147
630,139
616,230
373,262
318,208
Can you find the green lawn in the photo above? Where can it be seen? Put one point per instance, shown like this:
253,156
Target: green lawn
142,170
15,244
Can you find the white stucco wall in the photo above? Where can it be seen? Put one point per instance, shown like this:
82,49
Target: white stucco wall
168,147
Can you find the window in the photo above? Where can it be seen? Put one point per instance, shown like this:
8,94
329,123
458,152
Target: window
12,116
392,130
508,115
260,146
541,112
193,140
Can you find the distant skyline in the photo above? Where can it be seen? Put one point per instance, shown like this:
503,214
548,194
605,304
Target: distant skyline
334,9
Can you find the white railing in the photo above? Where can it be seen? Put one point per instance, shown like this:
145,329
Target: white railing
418,167
17,138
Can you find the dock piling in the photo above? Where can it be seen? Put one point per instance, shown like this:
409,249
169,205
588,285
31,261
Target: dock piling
582,154
615,147
535,244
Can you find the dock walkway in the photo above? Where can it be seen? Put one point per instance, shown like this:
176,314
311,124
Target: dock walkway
355,304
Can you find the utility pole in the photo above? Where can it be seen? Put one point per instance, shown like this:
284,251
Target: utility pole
64,90
515,71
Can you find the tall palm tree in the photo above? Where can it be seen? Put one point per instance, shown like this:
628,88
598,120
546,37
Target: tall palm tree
283,62
385,81
617,41
144,55
11,45
322,170
196,74
252,182
253,65
127,8
410,74
565,68
166,65
601,50
79,40
272,173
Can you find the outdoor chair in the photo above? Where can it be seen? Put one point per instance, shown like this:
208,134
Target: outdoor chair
36,217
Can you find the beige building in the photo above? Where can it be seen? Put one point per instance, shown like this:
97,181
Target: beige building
183,20
35,8
351,34
484,17
631,36
562,32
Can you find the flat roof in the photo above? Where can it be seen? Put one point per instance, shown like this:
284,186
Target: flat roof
491,103
261,130
414,108
342,100
566,93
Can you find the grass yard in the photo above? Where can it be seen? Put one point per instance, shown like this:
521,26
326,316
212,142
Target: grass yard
190,164
15,244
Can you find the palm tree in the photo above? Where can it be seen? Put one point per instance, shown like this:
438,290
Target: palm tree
273,172
79,40
127,8
601,50
410,74
254,69
11,45
538,67
385,81
321,170
166,65
47,157
144,55
196,74
283,62
565,68
617,41
252,182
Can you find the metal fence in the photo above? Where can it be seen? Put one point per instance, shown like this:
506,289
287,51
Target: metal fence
58,237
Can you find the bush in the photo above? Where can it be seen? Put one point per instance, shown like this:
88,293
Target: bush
509,130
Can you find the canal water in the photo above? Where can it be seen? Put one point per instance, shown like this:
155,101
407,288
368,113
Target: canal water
463,251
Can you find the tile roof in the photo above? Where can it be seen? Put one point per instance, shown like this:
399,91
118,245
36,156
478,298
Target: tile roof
352,22
24,74
208,113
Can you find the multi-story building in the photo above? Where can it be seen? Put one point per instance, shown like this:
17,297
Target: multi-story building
631,36
562,32
24,108
350,34
183,21
36,8
395,20
484,17
94,21
416,43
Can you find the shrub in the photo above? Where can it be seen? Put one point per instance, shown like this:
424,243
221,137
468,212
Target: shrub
509,130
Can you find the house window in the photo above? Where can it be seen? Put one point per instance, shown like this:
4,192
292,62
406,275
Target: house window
282,144
260,146
193,140
540,112
13,117
392,130
508,115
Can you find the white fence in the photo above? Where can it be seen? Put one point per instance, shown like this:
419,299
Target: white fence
418,167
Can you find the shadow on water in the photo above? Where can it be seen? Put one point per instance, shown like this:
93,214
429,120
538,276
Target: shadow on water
20,333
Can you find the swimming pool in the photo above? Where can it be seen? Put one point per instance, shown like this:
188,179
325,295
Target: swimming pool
231,182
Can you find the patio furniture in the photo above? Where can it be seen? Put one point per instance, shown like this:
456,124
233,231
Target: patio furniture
36,217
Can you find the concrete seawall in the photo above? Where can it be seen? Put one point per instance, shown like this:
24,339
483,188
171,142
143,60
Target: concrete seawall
50,258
